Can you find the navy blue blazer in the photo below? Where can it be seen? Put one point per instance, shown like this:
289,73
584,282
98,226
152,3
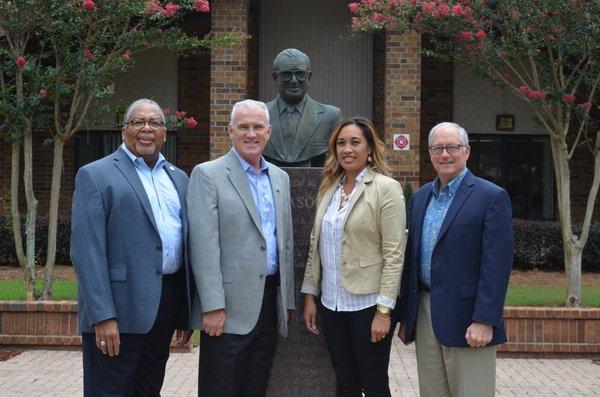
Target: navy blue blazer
116,249
470,263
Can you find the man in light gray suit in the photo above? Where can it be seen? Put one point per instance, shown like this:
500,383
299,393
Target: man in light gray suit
128,229
241,254
301,125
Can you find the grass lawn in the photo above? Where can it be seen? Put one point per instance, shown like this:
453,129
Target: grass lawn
14,290
518,295
536,295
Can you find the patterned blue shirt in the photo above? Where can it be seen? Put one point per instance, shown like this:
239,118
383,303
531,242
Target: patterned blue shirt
166,208
260,185
432,222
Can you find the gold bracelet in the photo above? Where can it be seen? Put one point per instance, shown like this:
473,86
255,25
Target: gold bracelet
383,317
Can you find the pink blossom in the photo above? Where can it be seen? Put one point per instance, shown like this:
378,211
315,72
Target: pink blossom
428,7
524,90
480,35
21,61
467,13
43,92
191,122
457,10
464,36
88,54
377,17
89,5
585,105
166,111
170,9
568,98
153,7
180,114
126,56
369,3
202,6
534,94
353,7
442,11
412,2
506,75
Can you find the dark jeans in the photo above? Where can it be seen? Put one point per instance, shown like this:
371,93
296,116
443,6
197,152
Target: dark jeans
360,365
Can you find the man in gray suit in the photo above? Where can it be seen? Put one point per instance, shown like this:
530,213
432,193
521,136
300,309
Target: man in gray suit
241,254
127,246
301,125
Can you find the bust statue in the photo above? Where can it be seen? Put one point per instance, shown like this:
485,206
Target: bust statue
300,125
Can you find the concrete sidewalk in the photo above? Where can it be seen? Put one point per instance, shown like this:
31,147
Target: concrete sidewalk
59,373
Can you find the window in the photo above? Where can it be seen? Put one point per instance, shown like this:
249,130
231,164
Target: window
522,165
93,145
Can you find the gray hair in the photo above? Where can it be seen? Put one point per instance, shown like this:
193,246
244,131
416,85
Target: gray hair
143,101
462,134
250,104
290,53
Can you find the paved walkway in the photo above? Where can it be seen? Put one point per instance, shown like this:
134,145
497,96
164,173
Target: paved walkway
58,373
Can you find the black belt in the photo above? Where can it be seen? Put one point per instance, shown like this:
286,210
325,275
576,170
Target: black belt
424,287
272,280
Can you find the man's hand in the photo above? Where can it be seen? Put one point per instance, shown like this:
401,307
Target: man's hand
212,322
380,327
183,336
107,337
402,334
310,314
479,335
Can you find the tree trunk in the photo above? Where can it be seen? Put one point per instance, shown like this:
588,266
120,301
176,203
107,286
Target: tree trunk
571,244
57,167
14,204
31,216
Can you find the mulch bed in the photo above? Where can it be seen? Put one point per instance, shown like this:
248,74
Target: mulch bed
8,354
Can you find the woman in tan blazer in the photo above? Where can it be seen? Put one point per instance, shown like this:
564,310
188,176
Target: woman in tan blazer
355,259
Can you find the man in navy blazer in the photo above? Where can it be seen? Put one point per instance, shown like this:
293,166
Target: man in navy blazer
458,262
128,229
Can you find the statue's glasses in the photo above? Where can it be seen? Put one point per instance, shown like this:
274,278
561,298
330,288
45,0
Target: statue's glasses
138,124
301,75
450,149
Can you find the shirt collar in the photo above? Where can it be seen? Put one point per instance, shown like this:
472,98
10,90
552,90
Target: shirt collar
451,187
282,105
138,160
247,166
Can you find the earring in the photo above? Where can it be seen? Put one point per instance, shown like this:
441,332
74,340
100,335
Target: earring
369,159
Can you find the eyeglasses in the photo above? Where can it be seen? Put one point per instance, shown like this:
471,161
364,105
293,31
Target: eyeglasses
301,75
450,149
138,124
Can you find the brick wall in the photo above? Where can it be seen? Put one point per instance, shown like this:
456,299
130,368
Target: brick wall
229,71
402,102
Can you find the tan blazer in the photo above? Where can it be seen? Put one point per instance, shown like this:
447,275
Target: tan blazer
372,252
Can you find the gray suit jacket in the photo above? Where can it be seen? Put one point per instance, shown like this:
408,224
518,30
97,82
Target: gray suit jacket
115,246
316,125
227,248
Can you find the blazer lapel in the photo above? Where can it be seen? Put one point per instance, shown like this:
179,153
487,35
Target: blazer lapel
240,183
311,118
181,191
276,140
126,167
323,205
418,215
367,178
463,191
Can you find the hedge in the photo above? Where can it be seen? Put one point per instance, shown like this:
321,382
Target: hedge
538,244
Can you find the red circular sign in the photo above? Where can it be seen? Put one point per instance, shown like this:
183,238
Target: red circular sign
401,142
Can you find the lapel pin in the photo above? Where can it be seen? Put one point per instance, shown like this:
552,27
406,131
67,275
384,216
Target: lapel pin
172,168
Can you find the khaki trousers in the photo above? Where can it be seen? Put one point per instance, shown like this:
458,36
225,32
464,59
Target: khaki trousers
451,371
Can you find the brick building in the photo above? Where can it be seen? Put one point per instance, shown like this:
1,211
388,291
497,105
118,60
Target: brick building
382,76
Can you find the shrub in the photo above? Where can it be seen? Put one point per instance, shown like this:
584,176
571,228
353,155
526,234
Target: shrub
8,255
538,244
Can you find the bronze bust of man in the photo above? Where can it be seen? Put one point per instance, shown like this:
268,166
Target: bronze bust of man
300,125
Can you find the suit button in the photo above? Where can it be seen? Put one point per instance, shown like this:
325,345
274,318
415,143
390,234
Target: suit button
159,247
158,272
345,264
262,248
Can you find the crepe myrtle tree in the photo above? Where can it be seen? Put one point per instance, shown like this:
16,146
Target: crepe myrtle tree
57,58
545,52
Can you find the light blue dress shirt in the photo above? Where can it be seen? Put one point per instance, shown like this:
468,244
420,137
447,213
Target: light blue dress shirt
166,208
432,222
260,185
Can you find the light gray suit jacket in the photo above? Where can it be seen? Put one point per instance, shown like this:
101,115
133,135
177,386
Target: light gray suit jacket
116,249
227,248
316,125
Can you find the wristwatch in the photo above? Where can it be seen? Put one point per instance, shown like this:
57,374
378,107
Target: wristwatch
384,310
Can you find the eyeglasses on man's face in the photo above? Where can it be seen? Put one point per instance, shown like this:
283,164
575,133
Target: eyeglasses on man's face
450,149
301,75
154,124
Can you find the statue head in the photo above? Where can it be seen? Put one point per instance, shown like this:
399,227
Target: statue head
291,74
